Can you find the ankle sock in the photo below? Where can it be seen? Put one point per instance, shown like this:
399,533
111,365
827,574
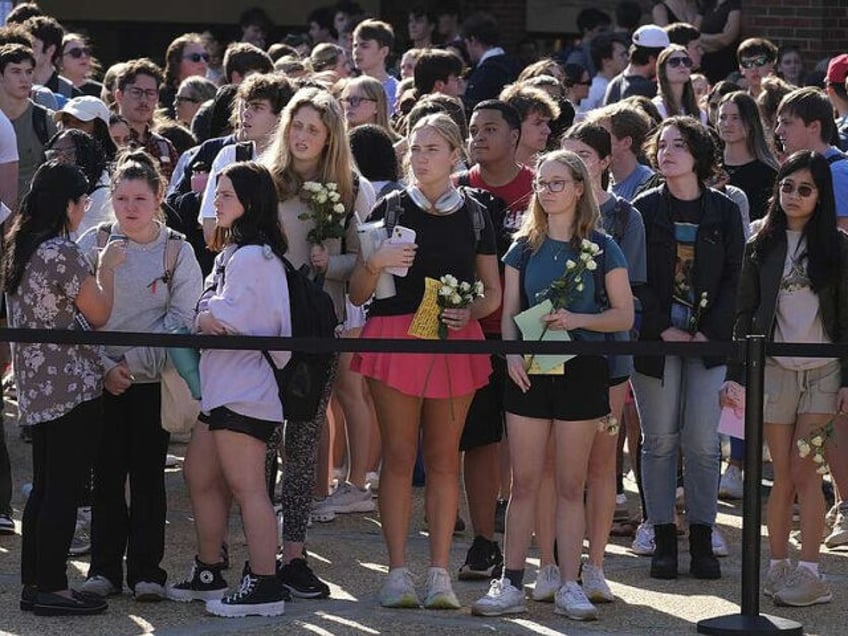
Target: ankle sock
516,577
811,566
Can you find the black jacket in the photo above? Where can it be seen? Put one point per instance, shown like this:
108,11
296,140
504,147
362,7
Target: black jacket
718,258
488,79
756,301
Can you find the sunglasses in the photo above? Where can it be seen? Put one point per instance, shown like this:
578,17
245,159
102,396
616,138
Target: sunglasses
755,61
674,62
355,100
197,57
78,52
181,98
804,191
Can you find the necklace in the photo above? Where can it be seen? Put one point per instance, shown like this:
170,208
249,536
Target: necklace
559,252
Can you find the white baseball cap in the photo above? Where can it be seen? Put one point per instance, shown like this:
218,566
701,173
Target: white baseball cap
651,36
84,108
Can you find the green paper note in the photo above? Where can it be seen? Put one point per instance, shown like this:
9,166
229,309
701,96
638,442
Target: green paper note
531,326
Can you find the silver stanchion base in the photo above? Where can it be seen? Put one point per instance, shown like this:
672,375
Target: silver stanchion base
749,625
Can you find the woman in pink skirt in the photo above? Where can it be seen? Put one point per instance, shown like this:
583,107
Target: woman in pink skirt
428,392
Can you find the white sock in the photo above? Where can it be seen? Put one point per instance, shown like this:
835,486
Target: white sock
775,562
811,566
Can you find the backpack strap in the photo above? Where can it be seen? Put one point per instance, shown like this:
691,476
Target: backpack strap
599,273
394,210
478,215
526,253
172,252
463,178
244,151
620,222
39,123
104,231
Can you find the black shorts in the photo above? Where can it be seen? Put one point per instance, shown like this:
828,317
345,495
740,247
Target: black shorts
223,419
619,380
484,423
582,393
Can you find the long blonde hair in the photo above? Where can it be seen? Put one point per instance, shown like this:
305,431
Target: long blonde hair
372,89
534,229
336,163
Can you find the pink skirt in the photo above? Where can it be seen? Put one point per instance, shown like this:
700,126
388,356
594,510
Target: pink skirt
428,375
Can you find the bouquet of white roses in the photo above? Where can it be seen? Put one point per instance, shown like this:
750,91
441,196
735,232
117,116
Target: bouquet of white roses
814,444
454,294
326,211
695,320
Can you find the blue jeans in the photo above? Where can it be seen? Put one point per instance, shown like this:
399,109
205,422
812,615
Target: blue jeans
680,411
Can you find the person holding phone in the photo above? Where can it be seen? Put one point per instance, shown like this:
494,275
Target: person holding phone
429,393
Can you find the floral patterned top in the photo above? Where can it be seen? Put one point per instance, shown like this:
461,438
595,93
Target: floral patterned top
52,379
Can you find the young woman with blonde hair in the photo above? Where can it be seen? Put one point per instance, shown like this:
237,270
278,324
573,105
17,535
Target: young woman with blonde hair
427,393
568,406
364,102
311,144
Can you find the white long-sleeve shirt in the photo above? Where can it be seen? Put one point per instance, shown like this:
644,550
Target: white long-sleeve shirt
252,298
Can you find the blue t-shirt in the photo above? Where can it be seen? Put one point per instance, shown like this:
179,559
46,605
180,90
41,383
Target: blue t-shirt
632,240
629,186
547,264
839,170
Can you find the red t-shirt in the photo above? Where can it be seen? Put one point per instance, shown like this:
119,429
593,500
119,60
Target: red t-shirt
517,195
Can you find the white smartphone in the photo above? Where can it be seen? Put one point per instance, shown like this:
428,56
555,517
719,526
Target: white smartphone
400,235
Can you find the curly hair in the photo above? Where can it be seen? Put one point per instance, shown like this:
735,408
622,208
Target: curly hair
699,142
90,157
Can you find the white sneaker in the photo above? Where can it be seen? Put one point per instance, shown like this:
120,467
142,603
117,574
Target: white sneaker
571,601
171,460
839,533
830,517
320,512
398,590
547,584
439,592
347,498
595,585
643,541
99,586
720,548
731,484
502,598
148,592
802,588
776,578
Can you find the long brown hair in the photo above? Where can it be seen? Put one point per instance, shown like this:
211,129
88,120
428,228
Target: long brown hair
688,105
534,229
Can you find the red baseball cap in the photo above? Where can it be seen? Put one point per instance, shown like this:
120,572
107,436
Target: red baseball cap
837,69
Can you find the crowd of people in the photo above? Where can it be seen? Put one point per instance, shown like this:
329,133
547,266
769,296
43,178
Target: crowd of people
665,182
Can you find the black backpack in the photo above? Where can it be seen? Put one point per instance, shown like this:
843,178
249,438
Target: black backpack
302,382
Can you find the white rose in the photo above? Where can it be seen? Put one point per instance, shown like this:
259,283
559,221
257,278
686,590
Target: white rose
332,186
455,299
594,248
338,208
445,291
465,287
334,196
478,288
569,264
822,470
585,244
585,256
591,266
803,448
450,280
817,441
818,458
580,287
321,197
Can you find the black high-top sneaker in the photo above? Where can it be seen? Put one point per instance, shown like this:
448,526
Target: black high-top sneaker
256,596
203,583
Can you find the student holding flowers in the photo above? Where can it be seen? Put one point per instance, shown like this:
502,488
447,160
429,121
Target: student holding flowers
558,254
428,392
794,288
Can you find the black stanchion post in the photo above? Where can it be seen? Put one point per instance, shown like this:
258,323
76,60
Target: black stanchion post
750,622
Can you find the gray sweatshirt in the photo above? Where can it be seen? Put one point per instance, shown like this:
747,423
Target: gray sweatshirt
143,302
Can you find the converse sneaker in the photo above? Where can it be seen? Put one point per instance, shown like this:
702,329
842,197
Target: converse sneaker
81,543
776,577
439,593
839,533
595,585
802,588
547,584
730,486
256,596
203,583
484,561
148,592
99,585
398,590
347,498
7,526
320,512
502,598
299,579
571,601
643,542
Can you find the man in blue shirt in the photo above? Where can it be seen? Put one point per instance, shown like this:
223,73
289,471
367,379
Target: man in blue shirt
628,127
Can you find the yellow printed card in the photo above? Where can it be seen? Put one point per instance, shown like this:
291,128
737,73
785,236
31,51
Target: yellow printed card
425,323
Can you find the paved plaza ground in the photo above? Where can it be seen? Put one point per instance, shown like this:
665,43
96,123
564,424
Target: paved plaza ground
350,555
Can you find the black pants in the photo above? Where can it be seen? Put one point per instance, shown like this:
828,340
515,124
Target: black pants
133,445
5,469
62,453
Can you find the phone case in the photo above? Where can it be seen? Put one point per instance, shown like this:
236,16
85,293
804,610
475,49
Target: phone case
401,235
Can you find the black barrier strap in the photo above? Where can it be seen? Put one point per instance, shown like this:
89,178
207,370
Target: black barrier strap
325,345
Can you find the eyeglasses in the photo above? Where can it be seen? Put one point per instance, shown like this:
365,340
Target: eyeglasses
557,185
78,52
196,57
804,191
137,93
674,62
182,98
755,61
354,101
